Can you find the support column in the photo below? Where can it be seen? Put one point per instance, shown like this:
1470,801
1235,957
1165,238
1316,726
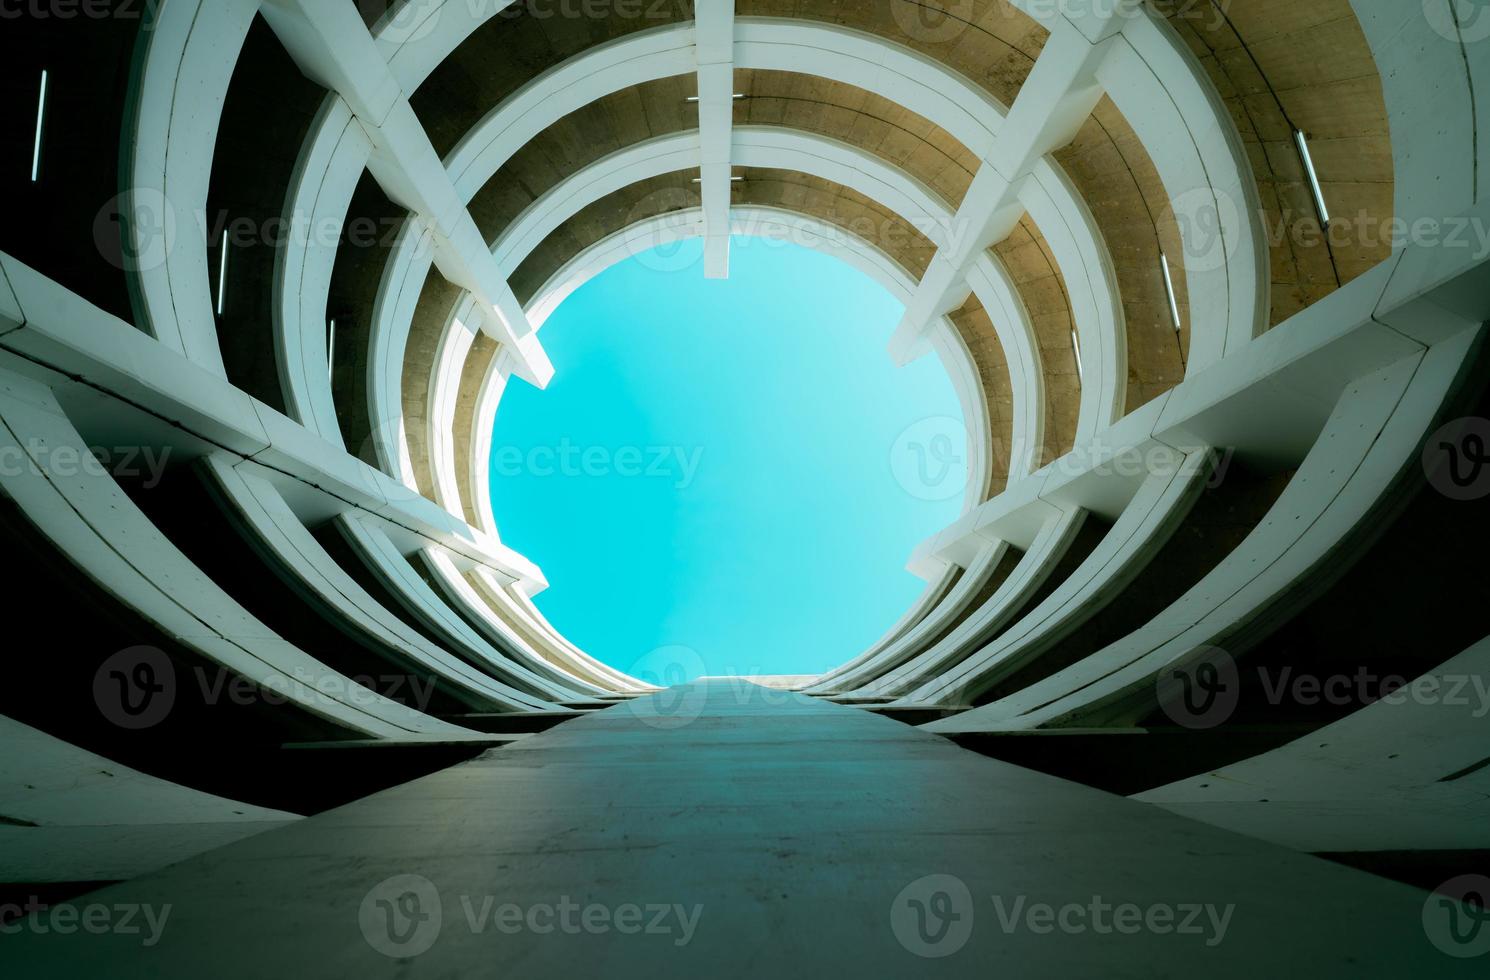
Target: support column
330,43
715,26
1055,100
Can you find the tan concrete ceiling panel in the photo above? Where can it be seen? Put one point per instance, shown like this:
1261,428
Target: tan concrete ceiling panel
989,41
579,139
839,206
1116,177
1037,278
483,351
1281,64
636,202
977,331
436,302
853,115
515,47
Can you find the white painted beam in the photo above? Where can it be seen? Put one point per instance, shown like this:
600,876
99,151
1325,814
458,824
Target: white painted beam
1270,399
332,46
52,328
1053,103
714,43
186,56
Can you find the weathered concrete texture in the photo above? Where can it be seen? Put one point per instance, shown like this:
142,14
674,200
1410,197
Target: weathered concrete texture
1118,181
853,115
1038,279
757,832
1281,64
432,313
67,814
977,331
989,41
635,202
473,373
611,123
516,46
836,205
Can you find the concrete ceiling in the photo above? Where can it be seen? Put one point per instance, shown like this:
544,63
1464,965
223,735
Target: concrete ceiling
1281,65
1276,65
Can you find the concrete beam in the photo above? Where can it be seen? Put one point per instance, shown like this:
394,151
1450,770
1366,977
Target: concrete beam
1059,95
332,46
46,325
715,29
830,778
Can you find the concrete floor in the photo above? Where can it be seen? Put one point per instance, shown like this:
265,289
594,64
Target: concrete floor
723,829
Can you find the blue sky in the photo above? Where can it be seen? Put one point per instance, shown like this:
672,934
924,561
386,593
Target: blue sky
716,478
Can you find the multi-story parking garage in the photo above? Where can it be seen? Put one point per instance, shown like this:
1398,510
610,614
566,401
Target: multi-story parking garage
1198,682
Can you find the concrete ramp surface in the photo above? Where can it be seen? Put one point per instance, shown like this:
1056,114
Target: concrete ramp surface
725,829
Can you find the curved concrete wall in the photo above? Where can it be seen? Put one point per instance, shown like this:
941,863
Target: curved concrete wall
1036,174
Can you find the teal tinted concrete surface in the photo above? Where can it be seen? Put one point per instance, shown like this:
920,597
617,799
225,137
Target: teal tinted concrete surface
726,830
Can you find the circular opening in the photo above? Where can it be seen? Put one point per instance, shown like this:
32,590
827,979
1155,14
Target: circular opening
727,476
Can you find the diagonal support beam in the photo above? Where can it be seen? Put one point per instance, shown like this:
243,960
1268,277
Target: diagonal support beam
331,45
1052,105
715,43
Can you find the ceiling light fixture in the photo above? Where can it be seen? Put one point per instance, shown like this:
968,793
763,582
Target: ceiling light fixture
41,113
1303,145
222,274
1174,304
